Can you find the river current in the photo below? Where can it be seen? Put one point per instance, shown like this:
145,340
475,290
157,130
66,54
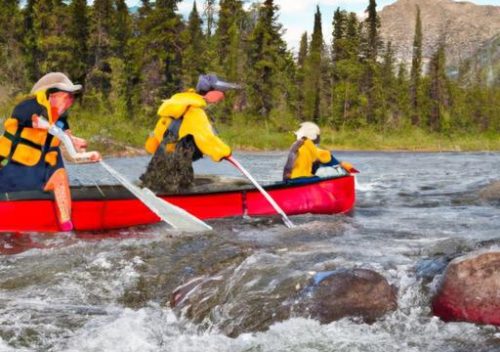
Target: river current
111,291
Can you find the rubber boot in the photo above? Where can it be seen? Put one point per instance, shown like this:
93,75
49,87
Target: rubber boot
59,184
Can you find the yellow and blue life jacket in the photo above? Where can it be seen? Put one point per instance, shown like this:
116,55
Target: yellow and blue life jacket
182,116
24,144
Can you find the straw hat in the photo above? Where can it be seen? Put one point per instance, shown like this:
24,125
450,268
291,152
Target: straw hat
56,80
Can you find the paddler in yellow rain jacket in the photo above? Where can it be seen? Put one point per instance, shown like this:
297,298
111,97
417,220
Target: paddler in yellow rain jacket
184,134
29,148
306,161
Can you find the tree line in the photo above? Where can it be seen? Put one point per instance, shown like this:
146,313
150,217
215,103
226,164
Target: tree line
130,61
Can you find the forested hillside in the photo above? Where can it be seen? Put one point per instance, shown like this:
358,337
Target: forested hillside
128,62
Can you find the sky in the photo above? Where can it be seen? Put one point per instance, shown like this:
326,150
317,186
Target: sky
297,16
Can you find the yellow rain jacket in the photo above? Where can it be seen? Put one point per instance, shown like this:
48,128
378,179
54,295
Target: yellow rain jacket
189,108
24,144
303,155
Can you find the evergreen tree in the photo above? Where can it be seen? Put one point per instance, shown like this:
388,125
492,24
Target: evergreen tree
194,52
160,55
31,49
313,85
339,35
301,71
101,48
11,70
373,35
53,46
122,71
371,85
229,20
416,70
266,53
438,91
78,33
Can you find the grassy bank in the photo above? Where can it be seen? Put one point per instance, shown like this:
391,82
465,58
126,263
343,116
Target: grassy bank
262,138
111,133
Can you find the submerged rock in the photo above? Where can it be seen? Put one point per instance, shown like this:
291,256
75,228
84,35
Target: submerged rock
470,289
327,297
348,292
491,193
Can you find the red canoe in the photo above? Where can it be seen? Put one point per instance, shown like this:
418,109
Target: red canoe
111,207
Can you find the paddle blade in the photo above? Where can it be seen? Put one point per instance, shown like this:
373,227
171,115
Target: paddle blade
173,215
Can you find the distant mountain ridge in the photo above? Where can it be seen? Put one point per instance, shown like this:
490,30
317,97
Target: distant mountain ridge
465,27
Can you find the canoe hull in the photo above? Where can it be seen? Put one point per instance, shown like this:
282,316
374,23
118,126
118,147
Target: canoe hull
106,212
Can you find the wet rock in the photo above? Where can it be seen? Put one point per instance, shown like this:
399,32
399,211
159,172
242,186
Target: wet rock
491,193
256,302
430,267
347,292
470,289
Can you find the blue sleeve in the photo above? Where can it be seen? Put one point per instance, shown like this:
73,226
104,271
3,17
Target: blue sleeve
24,111
332,162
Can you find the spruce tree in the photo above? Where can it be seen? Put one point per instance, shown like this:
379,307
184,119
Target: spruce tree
313,77
194,52
438,91
122,68
11,69
78,33
53,46
416,70
372,27
101,48
229,16
371,84
339,35
301,72
30,47
266,52
159,53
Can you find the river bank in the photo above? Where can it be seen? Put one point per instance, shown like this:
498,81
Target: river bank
112,134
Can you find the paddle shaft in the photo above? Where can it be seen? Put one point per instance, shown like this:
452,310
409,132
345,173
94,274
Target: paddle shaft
174,216
266,195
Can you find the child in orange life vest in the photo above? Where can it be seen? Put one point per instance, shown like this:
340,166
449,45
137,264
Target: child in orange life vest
29,147
184,134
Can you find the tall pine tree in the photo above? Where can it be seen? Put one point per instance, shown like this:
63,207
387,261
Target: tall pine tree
416,70
266,53
194,52
313,77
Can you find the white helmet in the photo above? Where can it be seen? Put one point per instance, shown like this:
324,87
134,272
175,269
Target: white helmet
309,130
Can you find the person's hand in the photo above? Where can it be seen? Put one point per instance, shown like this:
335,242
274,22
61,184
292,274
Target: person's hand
88,157
95,156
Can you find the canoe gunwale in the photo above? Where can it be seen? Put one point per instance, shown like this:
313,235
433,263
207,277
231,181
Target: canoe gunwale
118,192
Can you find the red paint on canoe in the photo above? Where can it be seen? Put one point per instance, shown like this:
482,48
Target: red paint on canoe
323,197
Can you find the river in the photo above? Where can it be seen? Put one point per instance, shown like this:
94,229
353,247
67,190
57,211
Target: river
110,291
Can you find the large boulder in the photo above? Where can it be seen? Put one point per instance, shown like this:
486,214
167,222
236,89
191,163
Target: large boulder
257,302
348,292
470,289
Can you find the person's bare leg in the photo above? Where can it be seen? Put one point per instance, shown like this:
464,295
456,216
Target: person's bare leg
59,184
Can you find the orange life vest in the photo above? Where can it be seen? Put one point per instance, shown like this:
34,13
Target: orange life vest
26,145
